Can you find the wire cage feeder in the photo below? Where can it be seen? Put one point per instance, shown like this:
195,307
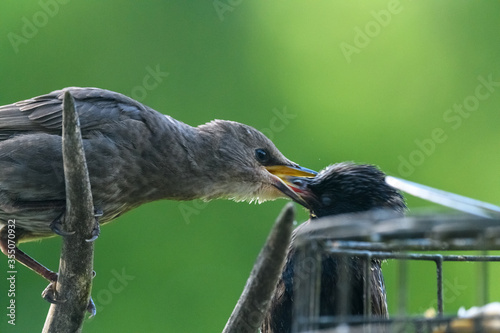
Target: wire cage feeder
381,235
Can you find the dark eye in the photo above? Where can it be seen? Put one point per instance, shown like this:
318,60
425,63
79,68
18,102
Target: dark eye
326,200
262,155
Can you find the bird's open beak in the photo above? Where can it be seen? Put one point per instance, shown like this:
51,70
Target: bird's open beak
284,174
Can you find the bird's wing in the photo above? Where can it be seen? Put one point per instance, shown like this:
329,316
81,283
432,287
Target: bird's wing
448,199
95,107
379,296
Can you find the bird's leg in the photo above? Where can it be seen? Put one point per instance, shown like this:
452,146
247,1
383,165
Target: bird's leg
9,247
7,244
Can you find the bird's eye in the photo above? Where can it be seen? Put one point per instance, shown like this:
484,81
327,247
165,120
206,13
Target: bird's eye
262,155
326,200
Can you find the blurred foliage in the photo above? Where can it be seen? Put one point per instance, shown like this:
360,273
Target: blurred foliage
407,63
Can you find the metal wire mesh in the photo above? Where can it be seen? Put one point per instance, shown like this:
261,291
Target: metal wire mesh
382,235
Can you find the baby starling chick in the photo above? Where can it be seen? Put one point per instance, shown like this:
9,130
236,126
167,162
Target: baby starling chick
338,189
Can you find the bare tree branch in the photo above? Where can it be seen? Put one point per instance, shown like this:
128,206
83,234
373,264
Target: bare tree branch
253,304
77,255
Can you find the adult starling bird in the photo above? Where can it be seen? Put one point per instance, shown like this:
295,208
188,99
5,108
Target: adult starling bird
134,155
338,189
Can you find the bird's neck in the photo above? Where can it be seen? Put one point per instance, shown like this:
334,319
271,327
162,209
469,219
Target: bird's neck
184,163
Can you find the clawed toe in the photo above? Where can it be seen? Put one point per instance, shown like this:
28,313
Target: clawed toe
56,225
91,308
49,294
98,212
95,231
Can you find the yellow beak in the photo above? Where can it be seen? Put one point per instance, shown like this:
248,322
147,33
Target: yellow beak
283,174
283,171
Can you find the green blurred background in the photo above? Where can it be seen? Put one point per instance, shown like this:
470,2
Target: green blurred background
327,81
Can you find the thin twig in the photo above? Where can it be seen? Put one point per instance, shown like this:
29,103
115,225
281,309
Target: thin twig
253,304
77,255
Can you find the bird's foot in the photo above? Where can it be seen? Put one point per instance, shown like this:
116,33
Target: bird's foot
56,225
49,294
97,229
